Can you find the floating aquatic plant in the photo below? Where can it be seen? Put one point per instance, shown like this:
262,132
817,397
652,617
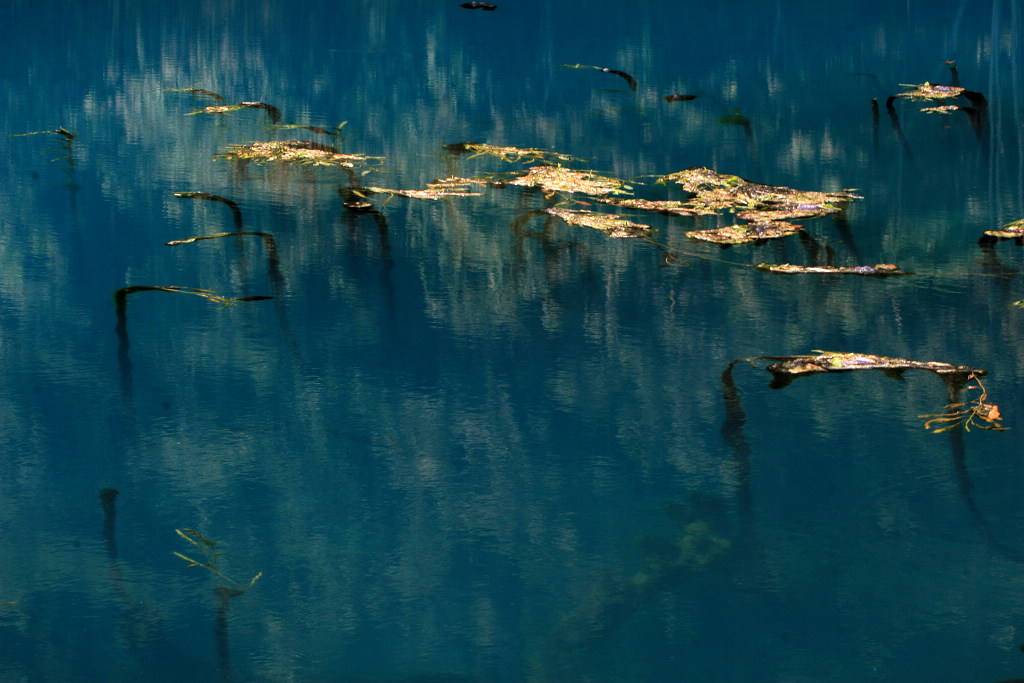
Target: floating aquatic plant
785,369
1012,230
671,207
559,179
613,226
121,295
622,74
745,233
967,413
877,270
824,361
929,92
227,587
333,132
509,154
298,152
273,113
445,187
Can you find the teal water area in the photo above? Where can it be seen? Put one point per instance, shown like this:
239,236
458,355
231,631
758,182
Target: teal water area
467,442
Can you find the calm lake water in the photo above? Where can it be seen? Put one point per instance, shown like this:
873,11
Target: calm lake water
468,441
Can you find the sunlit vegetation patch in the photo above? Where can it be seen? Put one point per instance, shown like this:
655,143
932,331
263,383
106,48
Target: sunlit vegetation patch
877,270
967,414
942,109
671,207
445,187
613,226
715,192
508,154
927,92
559,179
1012,230
745,233
297,152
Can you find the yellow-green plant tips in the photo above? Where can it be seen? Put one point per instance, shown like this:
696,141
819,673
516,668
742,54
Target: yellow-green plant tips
559,179
877,270
508,154
297,152
745,233
211,561
613,226
967,413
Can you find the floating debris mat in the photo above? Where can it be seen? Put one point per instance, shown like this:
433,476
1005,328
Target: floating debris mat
928,92
745,233
877,270
612,226
715,192
671,207
297,152
559,179
767,207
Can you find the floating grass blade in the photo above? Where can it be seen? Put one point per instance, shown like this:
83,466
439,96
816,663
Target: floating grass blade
121,295
198,91
622,74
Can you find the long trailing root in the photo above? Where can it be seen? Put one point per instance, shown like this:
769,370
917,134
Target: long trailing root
967,413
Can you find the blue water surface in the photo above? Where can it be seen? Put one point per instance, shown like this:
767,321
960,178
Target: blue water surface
467,442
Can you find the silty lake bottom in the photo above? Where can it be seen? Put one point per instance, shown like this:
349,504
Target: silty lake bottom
475,437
